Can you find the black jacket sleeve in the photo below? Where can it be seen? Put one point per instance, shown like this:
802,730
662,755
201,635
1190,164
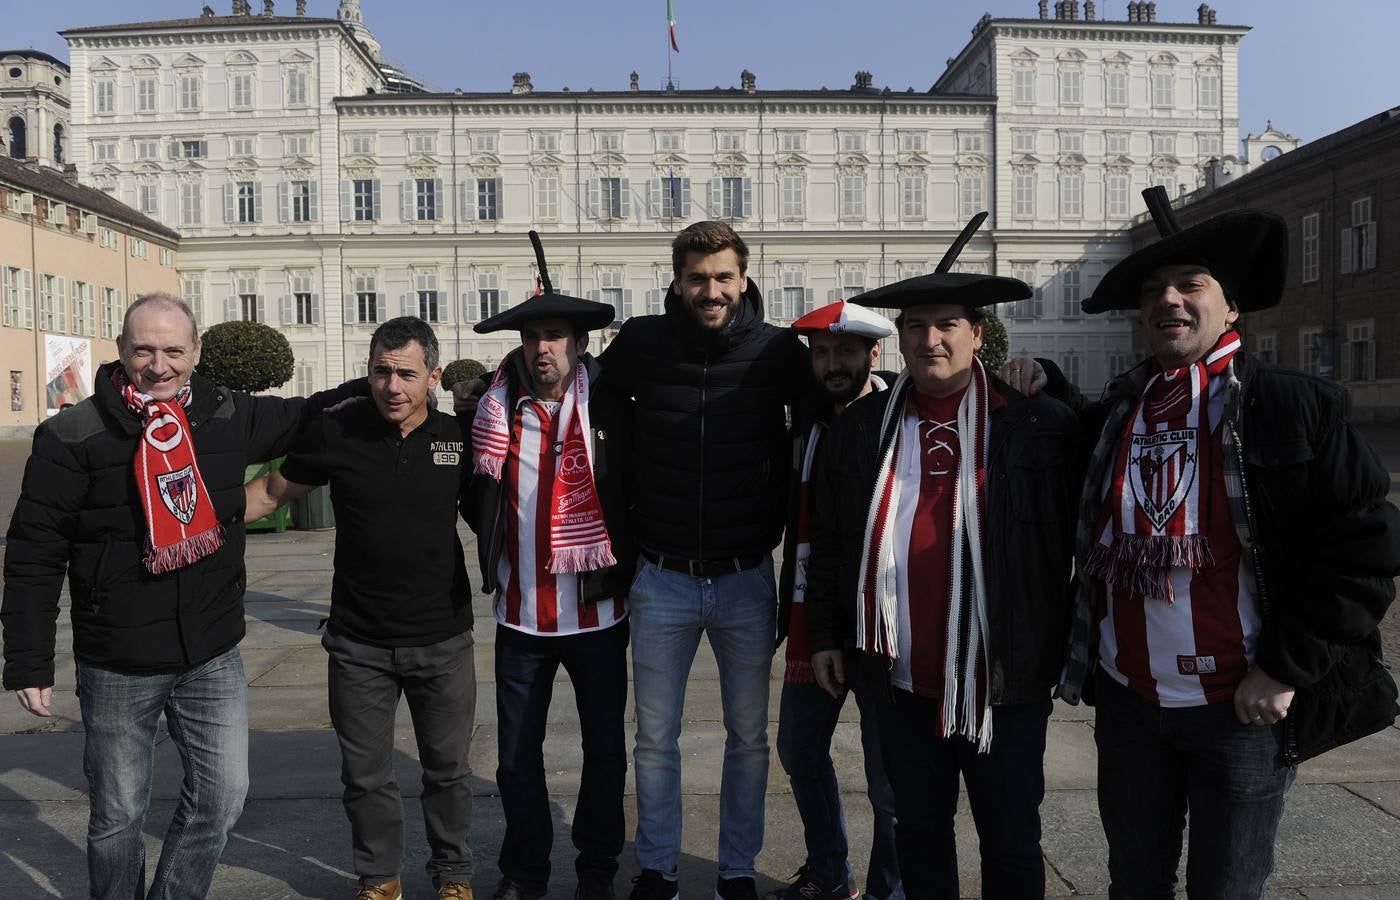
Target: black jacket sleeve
826,622
36,557
273,423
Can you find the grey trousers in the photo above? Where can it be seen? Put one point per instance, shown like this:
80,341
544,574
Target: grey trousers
439,681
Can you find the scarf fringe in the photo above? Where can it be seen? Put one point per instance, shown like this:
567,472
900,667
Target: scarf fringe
1142,562
798,672
183,552
489,465
581,559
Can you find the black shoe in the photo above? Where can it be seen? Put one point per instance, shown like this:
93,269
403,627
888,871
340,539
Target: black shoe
509,890
594,886
735,889
652,885
805,887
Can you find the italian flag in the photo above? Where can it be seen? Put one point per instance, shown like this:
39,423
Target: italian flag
671,20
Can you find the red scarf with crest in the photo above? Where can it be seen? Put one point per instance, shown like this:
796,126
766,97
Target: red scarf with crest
181,526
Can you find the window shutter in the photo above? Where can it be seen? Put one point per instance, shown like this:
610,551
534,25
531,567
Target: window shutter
284,189
231,309
831,296
684,211
203,149
28,298
437,199
377,214
174,149
468,306
465,209
230,204
352,312
257,201
285,304
380,307
807,296
315,309
405,309
748,198
1348,255
595,296
652,301
313,202
505,300
594,198
347,201
626,310
654,198
626,191
1368,251
261,308
716,197
500,198
406,210
444,308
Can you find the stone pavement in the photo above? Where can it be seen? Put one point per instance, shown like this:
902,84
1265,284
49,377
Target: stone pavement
1340,837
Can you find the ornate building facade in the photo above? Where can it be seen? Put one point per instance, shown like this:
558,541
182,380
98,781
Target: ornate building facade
314,194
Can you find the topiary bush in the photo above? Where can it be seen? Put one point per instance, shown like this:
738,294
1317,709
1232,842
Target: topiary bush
995,344
246,356
461,370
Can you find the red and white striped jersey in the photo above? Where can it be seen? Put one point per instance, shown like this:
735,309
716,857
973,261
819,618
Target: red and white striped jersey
531,598
1197,649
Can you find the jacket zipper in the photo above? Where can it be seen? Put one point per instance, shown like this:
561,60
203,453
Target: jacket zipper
700,507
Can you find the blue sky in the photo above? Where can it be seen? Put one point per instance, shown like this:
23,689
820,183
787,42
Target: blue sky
1310,67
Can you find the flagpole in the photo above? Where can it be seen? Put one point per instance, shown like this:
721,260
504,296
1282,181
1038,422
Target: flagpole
669,84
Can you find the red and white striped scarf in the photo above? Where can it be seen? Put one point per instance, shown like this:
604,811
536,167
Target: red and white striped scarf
799,646
578,537
877,627
181,526
1152,516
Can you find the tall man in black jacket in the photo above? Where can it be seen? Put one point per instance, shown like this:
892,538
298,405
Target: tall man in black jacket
1236,553
710,380
941,543
138,493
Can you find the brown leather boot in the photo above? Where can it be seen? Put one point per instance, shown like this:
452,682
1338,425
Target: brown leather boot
390,890
454,890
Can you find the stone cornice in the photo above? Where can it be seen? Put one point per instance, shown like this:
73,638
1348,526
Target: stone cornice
191,36
379,105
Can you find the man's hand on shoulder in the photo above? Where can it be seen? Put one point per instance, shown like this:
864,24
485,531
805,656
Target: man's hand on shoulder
1260,700
262,496
36,700
465,395
1023,374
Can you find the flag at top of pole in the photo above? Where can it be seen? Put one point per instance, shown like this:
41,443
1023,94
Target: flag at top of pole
671,20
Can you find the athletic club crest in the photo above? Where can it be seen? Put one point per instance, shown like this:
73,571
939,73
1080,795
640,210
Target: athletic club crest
179,490
1162,468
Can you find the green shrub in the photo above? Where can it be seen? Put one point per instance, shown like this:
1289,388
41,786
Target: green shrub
246,356
461,370
995,344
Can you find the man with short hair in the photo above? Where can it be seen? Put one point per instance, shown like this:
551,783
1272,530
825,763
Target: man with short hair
844,343
710,380
137,492
401,619
549,506
952,579
1236,552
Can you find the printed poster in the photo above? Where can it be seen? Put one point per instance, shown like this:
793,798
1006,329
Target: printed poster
68,371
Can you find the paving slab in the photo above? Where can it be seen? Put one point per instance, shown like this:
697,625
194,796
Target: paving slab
1384,795
1374,758
15,719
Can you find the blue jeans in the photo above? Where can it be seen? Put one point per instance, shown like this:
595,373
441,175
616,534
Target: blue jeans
1154,765
206,711
669,611
807,717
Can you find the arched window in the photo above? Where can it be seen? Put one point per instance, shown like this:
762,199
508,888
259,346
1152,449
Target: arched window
58,145
18,145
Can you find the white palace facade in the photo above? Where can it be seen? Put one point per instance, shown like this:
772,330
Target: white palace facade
317,191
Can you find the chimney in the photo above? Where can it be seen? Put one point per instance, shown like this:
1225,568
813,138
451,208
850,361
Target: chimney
1059,10
242,8
267,8
70,174
301,7
1151,10
208,12
633,84
1133,12
1044,9
1074,10
1091,12
863,81
748,81
520,83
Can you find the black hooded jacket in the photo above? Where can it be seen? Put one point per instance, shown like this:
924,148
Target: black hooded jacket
710,440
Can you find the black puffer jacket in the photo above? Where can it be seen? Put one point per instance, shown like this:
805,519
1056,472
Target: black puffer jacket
79,509
1032,489
710,440
609,416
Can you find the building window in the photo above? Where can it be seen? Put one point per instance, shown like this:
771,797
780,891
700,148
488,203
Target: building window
297,145
248,303
191,91
609,198
914,141
147,149
1071,87
193,149
911,195
1118,363
1116,87
84,309
1029,308
1310,253
672,198
111,313
852,282
107,238
1116,195
425,199
365,199
296,87
1359,361
1359,240
611,291
547,196
792,141
731,197
104,93
1072,194
972,188
167,257
488,294
1265,347
971,142
242,91
302,200
486,142
361,144
1071,292
1163,87
145,95
302,308
852,142
53,305
1116,142
366,306
19,298
192,292
488,199
304,380
1023,141
729,141
853,196
1023,84
1208,145
104,151
426,298
423,143
1166,178
609,141
1070,365
148,198
794,299
1023,192
247,195
1071,142
139,248
1163,144
1310,350
191,203
1210,88
794,188
547,141
242,145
